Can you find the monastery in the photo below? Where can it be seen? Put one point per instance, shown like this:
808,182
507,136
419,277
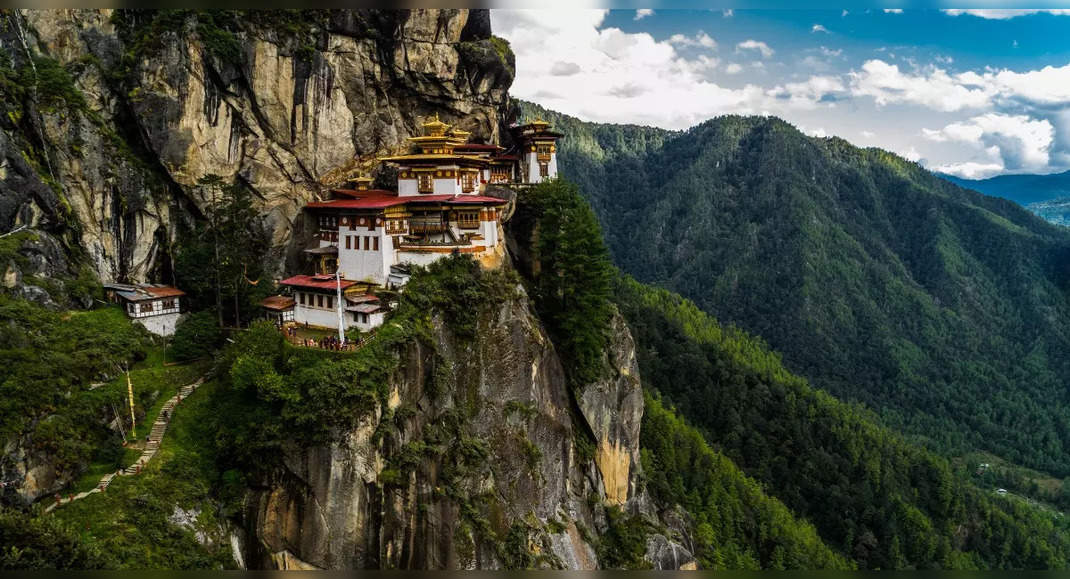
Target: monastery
367,238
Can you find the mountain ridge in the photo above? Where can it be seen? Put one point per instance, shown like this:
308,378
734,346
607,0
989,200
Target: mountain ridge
937,306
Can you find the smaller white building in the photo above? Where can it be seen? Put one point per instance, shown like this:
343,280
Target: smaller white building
538,151
315,303
156,307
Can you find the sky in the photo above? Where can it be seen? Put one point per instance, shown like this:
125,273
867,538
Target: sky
973,93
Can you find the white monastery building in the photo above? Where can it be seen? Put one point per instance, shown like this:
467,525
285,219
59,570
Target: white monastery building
366,237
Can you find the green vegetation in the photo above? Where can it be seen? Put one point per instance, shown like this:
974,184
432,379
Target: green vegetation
221,262
570,272
881,501
197,336
737,526
277,392
46,80
943,310
49,359
151,521
43,543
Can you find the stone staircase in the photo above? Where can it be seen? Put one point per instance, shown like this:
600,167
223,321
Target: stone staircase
159,427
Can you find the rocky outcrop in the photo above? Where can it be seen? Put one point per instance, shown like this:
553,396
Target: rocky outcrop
161,99
475,464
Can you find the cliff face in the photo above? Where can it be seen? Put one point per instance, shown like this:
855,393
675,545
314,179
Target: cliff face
510,486
122,112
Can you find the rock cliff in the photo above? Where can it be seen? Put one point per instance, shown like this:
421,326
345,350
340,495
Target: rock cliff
483,461
113,116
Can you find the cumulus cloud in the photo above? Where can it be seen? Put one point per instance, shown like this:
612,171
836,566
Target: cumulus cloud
819,28
969,169
1003,14
868,134
811,93
934,88
751,44
1013,142
701,39
893,10
733,68
643,13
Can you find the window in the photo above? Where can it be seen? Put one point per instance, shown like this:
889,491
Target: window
375,244
544,169
468,182
319,301
169,304
426,183
146,307
367,243
349,238
130,308
301,297
468,219
330,302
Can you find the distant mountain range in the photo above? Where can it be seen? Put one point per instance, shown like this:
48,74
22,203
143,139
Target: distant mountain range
1046,195
942,309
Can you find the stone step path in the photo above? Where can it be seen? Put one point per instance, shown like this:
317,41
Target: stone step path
159,427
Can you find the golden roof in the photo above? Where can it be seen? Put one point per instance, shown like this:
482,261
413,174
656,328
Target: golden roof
436,127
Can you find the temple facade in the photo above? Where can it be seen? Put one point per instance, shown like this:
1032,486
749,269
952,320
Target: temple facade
366,238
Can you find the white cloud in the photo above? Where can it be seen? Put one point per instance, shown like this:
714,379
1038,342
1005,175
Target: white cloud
911,155
728,13
819,28
818,132
809,94
829,52
562,68
624,77
969,169
1003,14
844,13
935,88
643,13
701,39
733,68
1017,142
868,134
893,10
751,44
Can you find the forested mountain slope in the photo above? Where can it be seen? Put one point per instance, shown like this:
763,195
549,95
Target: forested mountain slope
943,309
882,501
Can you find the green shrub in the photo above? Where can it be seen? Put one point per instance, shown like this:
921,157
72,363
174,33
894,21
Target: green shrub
197,336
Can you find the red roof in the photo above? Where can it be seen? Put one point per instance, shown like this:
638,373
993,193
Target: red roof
325,282
163,291
371,199
379,200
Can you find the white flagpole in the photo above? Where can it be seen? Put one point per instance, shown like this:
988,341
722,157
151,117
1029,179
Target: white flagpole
341,322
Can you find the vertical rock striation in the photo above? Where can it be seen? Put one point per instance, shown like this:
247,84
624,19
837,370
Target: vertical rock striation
283,103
